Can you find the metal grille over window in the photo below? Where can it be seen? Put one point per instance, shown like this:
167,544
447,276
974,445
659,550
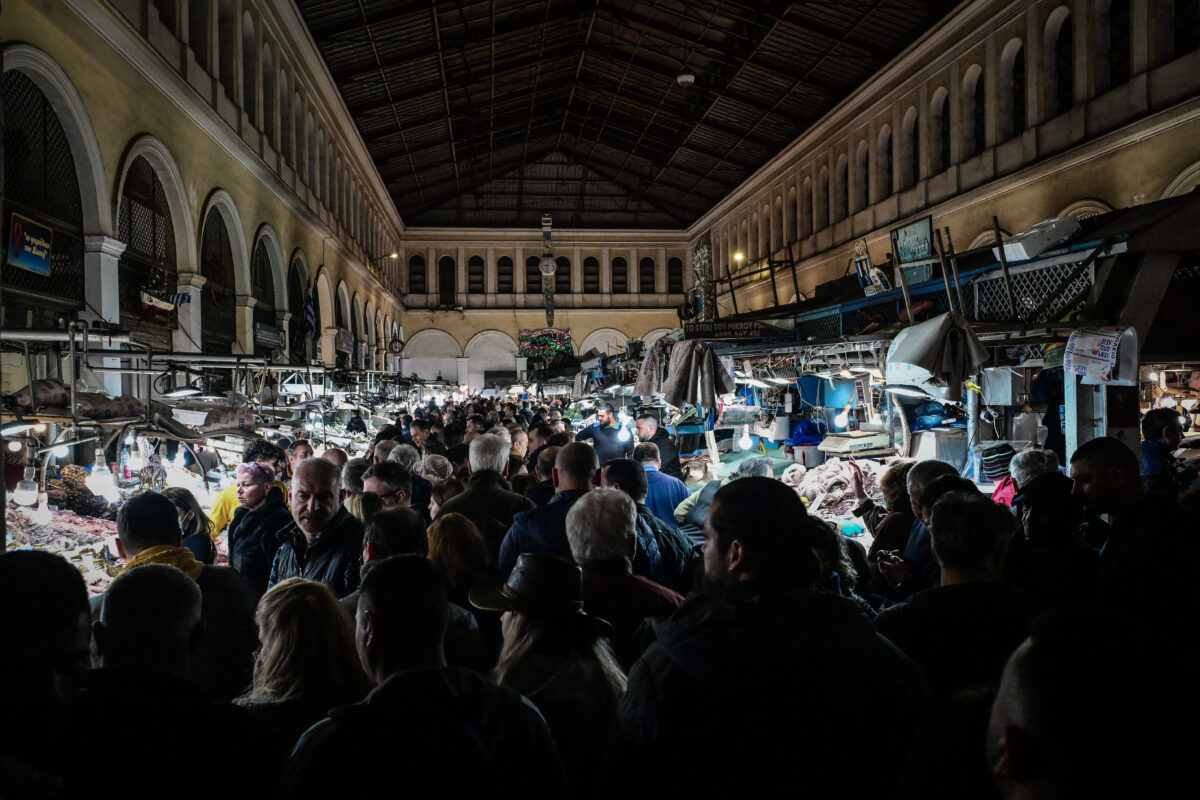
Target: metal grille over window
144,225
1041,294
416,275
218,305
504,275
297,302
591,276
675,276
646,276
620,276
475,275
562,275
40,185
263,285
533,276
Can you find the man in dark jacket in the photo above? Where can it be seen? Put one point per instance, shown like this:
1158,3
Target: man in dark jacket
760,652
610,438
544,530
489,500
541,492
324,541
1161,472
148,533
148,635
430,724
676,557
539,440
648,430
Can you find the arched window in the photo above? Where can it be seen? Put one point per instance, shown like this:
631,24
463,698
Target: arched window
620,276
1118,43
533,275
862,174
821,216
285,118
268,93
939,130
777,226
1186,27
806,209
144,225
475,282
675,276
883,164
1058,62
167,15
40,184
300,136
973,116
504,275
249,73
909,135
198,38
218,306
446,281
789,219
840,201
226,49
591,275
298,304
416,275
1012,98
262,284
646,275
752,241
562,275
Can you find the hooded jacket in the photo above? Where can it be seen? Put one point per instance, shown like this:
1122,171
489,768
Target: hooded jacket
778,679
254,536
333,557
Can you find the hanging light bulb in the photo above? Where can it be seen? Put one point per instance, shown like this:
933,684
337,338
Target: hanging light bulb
60,451
745,442
843,418
623,434
1154,377
26,491
14,446
101,482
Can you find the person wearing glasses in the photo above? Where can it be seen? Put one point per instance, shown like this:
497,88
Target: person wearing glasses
391,481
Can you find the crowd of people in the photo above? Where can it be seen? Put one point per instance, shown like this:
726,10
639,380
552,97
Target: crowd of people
488,603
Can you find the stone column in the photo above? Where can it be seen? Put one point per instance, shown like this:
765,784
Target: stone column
101,258
328,346
463,367
282,318
660,271
244,345
188,335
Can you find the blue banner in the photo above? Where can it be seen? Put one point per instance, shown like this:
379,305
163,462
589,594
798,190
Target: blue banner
29,245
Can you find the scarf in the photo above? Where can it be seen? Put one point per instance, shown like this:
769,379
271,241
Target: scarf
179,557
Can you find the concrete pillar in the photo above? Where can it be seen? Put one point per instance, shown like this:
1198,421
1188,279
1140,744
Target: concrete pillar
282,318
660,270
463,365
329,346
605,272
244,345
101,257
519,271
188,336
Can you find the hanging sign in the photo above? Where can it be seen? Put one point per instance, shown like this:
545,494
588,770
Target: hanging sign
343,342
29,245
269,336
1103,356
397,346
914,241
722,329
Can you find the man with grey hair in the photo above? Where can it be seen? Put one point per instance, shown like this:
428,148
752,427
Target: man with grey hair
962,631
324,541
352,476
390,482
1028,464
602,531
437,466
148,636
489,500
421,493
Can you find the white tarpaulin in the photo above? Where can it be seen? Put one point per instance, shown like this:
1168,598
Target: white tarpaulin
936,356
1103,356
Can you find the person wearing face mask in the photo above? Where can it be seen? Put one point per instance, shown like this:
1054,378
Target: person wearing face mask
254,531
323,543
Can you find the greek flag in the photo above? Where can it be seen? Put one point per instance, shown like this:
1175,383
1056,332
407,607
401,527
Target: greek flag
310,312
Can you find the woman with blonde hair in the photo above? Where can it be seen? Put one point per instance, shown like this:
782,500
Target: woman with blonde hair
307,662
364,505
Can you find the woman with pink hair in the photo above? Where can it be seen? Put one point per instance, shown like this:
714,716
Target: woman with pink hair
254,531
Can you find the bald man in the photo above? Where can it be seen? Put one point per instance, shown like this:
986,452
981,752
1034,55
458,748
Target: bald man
544,530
